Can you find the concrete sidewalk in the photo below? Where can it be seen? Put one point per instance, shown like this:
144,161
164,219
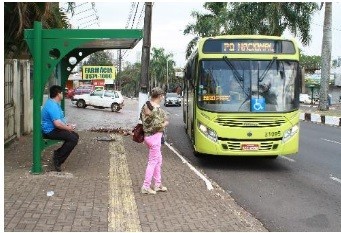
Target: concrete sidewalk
99,190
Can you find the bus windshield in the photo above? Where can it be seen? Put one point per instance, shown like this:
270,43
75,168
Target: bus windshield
248,85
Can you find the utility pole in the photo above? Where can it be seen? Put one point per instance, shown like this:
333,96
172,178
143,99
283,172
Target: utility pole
326,57
145,58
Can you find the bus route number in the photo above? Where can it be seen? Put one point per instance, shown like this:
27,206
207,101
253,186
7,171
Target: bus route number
216,98
273,134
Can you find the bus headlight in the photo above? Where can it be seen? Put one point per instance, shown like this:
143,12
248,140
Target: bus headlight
289,133
208,132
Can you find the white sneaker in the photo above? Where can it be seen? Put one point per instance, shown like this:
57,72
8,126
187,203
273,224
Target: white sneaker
147,191
160,188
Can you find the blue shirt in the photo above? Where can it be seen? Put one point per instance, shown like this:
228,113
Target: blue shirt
51,111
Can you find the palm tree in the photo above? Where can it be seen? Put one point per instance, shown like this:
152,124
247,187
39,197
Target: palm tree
210,24
21,15
158,67
266,18
326,57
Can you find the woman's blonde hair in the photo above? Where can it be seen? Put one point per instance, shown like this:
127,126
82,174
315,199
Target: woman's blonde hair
156,91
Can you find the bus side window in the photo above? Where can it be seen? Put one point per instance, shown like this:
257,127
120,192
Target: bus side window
194,70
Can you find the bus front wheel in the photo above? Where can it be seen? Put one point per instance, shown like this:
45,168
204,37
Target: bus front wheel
198,155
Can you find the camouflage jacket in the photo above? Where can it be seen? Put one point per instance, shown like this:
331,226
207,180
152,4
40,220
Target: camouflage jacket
153,122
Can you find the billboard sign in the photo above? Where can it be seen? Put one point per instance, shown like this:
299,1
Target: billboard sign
99,72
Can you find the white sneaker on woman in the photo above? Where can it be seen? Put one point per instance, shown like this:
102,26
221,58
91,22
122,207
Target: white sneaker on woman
147,191
160,188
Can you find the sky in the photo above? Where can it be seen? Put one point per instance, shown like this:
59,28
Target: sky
169,20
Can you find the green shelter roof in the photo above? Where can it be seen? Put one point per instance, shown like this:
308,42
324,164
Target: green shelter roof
128,43
92,38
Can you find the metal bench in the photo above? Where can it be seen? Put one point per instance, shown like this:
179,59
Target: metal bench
48,142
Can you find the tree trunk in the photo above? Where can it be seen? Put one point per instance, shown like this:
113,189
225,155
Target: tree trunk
326,57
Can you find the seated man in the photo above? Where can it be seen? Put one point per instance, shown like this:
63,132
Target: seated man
55,127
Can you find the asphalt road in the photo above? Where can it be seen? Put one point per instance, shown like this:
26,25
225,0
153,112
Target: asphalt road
297,193
89,117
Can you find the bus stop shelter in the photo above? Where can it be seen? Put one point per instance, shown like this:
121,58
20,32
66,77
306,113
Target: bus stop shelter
60,50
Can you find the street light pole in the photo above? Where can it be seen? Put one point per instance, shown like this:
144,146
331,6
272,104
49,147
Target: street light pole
167,75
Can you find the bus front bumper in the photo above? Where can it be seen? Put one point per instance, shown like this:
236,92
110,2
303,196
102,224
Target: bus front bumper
246,148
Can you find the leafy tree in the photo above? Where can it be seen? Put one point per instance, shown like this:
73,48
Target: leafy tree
21,15
101,58
272,18
130,79
266,18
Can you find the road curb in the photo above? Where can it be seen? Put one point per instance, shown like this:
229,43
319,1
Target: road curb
321,119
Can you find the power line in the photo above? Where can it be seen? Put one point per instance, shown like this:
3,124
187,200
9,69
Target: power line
84,15
140,17
137,7
130,14
133,7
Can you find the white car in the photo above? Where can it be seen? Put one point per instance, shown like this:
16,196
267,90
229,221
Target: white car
305,98
172,99
100,99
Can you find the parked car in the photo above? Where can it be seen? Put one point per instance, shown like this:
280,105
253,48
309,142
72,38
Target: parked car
305,98
172,99
85,89
100,99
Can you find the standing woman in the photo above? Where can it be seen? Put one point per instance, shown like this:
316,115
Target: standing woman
154,122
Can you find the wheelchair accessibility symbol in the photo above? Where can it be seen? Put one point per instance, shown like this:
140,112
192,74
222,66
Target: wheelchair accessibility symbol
257,104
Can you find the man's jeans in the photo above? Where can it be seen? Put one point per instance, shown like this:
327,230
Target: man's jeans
70,141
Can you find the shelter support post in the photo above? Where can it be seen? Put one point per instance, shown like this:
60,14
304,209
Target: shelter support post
37,97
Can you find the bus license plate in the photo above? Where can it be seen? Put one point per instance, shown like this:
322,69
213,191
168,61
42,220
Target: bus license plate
250,146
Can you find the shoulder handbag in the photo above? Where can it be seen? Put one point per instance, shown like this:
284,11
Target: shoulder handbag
138,134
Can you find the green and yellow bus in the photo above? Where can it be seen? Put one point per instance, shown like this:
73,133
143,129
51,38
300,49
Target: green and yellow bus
241,96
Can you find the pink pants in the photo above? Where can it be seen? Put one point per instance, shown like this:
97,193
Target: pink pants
154,160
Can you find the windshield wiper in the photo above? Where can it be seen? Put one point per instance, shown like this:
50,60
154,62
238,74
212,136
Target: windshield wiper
236,75
239,79
267,69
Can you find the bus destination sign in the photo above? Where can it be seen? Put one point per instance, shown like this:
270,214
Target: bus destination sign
248,47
